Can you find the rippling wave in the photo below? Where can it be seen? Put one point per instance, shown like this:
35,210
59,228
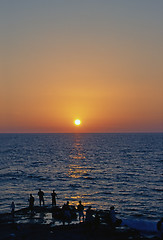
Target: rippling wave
100,169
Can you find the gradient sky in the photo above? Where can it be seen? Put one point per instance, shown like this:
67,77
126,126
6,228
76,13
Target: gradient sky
99,61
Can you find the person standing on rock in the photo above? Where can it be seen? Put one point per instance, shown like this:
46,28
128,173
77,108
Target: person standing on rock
80,208
54,195
41,197
13,209
31,202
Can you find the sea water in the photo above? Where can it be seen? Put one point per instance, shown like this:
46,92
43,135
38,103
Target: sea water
101,170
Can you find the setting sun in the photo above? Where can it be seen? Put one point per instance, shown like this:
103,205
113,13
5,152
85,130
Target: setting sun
77,122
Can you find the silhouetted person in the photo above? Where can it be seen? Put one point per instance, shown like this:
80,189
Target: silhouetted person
31,202
80,209
114,222
160,228
13,209
112,215
41,197
66,213
54,195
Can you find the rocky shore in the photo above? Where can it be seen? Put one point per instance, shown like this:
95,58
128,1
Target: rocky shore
46,223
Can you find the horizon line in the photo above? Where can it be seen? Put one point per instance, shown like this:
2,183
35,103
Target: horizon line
80,132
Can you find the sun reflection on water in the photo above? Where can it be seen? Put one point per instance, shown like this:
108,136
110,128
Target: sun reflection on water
77,171
77,156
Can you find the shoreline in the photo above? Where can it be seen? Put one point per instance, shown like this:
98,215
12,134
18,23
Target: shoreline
44,223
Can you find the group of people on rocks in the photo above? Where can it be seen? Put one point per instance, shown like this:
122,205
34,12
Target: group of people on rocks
67,211
31,201
89,217
111,219
41,199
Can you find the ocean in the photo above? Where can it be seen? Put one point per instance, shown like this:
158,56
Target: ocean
101,170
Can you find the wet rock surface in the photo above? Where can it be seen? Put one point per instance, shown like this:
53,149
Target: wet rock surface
47,223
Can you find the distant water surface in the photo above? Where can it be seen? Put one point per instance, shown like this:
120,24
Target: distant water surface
124,170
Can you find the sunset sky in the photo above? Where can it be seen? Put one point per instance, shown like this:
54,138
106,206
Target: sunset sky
100,61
